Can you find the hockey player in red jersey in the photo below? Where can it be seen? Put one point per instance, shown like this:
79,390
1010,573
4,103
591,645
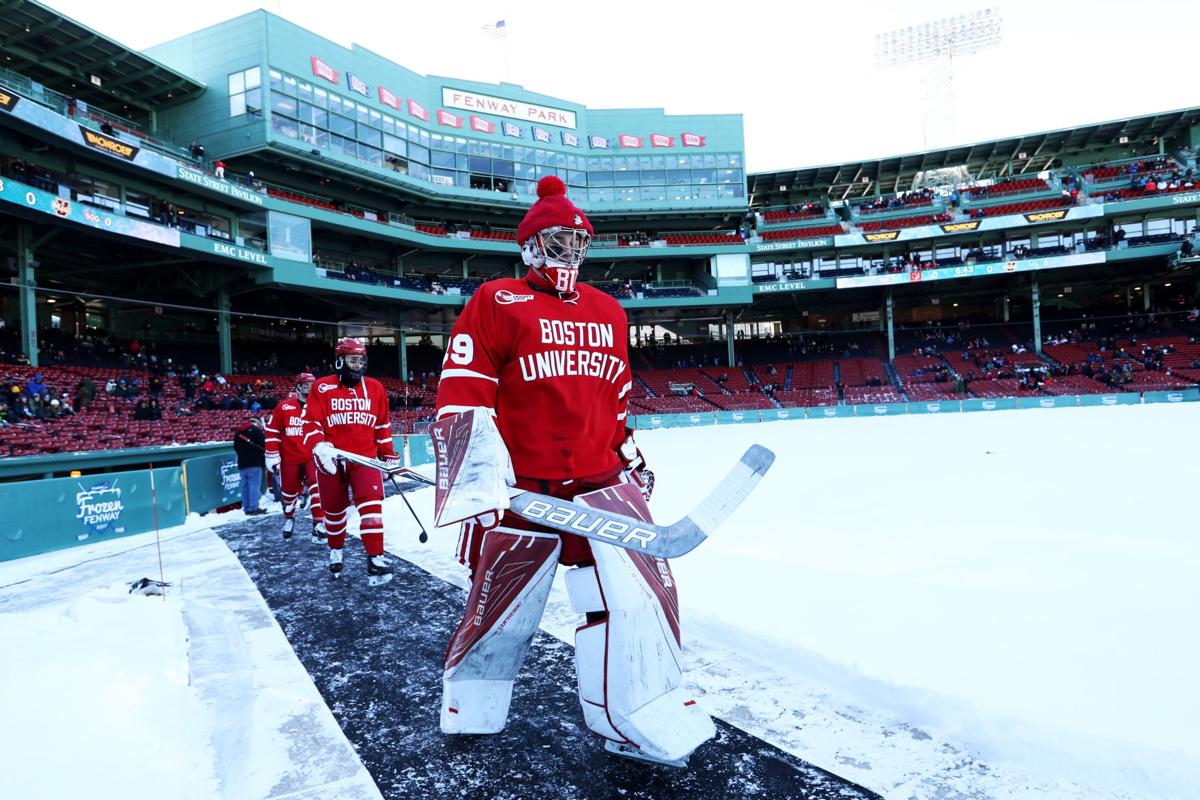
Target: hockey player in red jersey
291,460
533,393
349,411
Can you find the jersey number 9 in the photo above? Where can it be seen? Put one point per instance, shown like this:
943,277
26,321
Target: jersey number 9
462,349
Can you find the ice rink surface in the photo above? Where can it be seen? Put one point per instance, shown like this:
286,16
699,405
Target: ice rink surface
989,605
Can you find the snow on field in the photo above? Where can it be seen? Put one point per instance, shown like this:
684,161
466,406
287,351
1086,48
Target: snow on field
108,695
988,605
972,605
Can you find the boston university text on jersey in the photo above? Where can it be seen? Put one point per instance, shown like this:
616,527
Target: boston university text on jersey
349,411
588,363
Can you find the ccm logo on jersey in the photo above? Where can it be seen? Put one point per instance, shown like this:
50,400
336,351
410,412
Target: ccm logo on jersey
326,387
506,298
588,523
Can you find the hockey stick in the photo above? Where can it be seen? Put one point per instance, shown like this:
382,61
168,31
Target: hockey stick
660,541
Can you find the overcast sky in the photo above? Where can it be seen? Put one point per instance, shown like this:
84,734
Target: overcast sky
801,73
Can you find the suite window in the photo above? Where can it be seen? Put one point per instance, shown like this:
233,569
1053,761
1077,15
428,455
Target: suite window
245,91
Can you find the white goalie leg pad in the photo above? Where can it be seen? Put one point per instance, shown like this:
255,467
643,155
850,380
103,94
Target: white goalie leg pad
505,604
629,664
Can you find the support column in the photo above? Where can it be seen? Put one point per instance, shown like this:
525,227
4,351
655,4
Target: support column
402,346
891,333
1128,299
729,338
1037,315
26,296
1006,309
1145,297
224,340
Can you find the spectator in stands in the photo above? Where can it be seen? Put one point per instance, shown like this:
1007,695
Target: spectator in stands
219,168
250,444
107,129
1186,249
141,411
85,392
36,385
155,410
72,105
197,151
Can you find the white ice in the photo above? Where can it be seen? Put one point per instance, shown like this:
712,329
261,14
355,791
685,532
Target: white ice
992,605
987,605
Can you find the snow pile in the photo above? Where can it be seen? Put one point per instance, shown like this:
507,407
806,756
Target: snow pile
97,704
1021,583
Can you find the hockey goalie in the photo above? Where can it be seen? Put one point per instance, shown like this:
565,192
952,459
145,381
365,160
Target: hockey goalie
533,394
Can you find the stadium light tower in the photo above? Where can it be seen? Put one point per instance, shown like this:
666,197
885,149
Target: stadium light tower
934,46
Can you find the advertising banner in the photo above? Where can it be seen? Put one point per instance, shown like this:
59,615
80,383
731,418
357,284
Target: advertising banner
989,404
212,482
20,194
1121,399
57,513
420,449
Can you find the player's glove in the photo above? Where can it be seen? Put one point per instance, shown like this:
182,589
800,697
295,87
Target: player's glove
273,461
635,465
391,459
325,456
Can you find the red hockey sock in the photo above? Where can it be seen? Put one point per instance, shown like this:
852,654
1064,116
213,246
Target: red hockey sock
373,543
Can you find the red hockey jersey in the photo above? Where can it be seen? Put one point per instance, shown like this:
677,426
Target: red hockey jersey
351,419
556,375
285,432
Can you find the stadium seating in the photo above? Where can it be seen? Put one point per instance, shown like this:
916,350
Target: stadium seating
903,222
1020,208
776,216
1006,188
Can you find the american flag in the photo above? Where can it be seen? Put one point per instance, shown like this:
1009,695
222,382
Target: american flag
496,30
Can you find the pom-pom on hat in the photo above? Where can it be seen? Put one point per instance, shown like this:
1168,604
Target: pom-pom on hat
551,209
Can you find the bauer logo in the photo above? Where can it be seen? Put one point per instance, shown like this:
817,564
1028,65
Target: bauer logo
1109,400
99,508
880,409
988,405
1174,397
1046,402
506,298
933,408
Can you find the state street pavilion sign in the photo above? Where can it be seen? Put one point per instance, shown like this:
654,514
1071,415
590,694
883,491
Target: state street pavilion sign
503,107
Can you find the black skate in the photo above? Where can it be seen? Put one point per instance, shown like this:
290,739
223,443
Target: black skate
335,561
318,533
288,526
379,570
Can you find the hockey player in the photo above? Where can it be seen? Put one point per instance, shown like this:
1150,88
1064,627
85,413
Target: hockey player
349,411
291,460
533,393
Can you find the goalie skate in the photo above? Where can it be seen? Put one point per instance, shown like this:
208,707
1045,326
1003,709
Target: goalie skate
629,751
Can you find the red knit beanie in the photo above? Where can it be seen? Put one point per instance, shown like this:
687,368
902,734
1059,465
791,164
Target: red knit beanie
552,209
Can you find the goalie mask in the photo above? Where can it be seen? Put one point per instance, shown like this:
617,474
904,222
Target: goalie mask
554,237
350,361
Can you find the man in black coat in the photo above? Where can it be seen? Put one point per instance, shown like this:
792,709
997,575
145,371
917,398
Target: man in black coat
250,444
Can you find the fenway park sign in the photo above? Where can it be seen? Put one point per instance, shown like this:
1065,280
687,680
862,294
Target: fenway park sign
503,107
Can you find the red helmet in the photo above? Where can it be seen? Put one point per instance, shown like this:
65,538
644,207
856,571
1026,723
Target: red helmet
350,347
306,377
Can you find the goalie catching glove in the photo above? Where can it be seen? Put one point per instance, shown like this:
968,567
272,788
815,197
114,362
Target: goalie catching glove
474,470
635,465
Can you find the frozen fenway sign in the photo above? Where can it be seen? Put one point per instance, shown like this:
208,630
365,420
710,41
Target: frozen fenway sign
503,107
99,507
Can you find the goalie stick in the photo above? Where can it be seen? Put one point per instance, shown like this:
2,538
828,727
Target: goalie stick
660,541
